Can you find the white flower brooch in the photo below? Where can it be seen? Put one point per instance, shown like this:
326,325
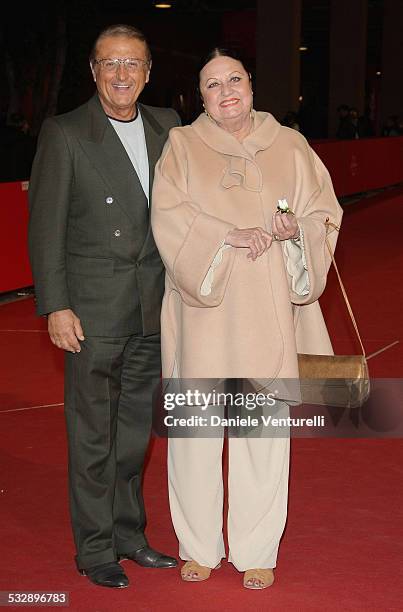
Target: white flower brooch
282,207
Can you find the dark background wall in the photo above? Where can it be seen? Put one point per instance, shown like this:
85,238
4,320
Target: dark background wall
44,50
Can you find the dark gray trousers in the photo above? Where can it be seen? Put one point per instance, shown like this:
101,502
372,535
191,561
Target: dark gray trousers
109,388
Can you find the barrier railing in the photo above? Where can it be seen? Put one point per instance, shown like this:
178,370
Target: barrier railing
15,270
362,165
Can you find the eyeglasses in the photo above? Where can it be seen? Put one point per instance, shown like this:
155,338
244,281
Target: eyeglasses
132,64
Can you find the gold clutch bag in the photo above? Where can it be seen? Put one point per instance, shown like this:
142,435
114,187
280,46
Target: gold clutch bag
335,380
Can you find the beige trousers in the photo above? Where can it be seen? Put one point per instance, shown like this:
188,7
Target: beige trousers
257,499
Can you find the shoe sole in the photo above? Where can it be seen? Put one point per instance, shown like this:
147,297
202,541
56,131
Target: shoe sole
83,573
108,586
149,566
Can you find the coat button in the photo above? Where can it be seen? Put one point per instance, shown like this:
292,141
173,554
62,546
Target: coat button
109,200
117,233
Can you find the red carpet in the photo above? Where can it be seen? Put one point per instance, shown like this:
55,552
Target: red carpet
342,549
370,261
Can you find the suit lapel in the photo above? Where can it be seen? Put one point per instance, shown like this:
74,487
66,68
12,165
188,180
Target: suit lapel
154,135
109,156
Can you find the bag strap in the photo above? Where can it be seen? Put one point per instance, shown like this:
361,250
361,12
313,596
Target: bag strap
344,293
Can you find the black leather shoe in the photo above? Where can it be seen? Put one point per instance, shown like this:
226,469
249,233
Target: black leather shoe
107,575
148,557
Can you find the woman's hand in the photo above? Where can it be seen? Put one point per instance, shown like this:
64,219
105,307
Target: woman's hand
284,226
256,239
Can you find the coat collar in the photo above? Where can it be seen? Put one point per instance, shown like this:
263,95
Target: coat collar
265,131
242,169
99,119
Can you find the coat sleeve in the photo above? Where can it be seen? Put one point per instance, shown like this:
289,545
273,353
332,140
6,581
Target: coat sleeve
49,198
187,238
321,205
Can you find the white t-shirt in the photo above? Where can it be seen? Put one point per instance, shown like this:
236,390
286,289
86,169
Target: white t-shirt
131,134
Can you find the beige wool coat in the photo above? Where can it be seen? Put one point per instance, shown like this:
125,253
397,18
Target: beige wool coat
252,323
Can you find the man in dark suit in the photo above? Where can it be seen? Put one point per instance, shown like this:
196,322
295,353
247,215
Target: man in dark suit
99,279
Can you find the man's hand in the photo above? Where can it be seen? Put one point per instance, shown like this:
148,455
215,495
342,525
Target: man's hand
255,238
65,330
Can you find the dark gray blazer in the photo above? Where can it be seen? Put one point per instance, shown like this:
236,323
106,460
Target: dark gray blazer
90,241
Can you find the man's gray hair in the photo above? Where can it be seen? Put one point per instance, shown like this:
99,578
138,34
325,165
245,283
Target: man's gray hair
120,29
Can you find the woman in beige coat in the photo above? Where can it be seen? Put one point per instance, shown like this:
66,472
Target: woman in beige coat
242,287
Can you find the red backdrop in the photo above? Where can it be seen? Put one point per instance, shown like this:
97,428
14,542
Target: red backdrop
14,265
355,166
362,165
